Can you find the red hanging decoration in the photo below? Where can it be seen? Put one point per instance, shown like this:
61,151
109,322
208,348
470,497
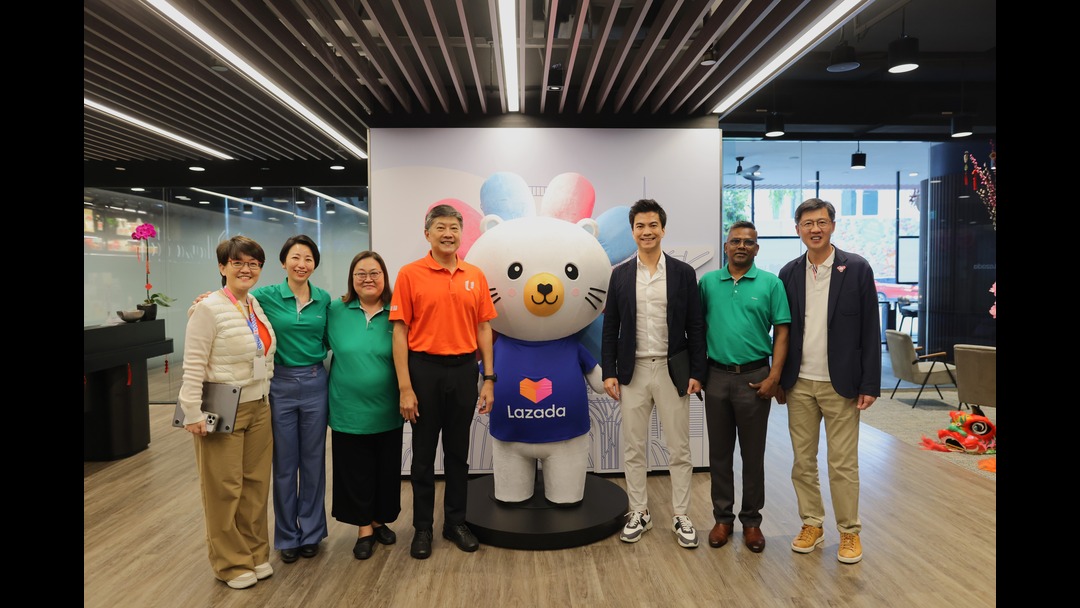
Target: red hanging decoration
166,365
966,154
129,374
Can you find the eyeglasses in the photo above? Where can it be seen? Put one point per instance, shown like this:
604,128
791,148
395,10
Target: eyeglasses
809,224
363,276
741,242
237,264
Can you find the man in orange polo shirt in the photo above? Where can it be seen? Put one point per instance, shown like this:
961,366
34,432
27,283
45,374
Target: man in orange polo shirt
441,310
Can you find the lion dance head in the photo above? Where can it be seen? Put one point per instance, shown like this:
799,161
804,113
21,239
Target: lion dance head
970,432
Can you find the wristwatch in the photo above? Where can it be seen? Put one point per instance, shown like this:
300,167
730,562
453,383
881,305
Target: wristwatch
492,377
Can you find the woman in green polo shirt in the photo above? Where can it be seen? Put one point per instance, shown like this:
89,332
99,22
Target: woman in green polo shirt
298,400
365,421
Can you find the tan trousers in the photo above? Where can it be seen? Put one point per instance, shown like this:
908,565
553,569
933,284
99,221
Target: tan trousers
808,402
234,476
651,387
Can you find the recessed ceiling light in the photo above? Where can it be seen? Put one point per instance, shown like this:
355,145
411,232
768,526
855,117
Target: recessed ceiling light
256,187
204,202
196,169
181,197
337,167
120,168
138,189
913,174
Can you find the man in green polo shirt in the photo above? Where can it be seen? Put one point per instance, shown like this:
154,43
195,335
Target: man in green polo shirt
742,304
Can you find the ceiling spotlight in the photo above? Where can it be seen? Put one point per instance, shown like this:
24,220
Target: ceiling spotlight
555,77
961,126
858,159
774,125
248,209
710,57
842,58
330,209
904,51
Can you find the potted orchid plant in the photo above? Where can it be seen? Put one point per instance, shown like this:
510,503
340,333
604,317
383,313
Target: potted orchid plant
145,232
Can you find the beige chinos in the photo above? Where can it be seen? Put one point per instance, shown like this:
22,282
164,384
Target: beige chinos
651,386
808,402
234,476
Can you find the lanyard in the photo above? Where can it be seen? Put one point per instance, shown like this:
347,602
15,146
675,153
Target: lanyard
250,319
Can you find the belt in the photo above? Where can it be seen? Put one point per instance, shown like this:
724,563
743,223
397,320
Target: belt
446,359
739,369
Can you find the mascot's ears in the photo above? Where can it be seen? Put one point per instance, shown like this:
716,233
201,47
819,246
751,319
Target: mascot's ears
588,224
489,221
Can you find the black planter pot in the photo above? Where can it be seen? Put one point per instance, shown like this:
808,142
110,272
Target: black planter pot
150,311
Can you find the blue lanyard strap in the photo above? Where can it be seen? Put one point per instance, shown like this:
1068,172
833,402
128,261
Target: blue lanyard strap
252,325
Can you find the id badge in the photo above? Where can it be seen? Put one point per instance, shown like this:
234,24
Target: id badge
259,370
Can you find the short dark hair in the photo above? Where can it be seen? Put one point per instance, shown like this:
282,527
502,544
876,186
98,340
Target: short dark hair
442,211
300,239
648,205
234,247
350,291
812,204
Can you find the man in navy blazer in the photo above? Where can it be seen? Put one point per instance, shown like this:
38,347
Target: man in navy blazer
653,313
832,371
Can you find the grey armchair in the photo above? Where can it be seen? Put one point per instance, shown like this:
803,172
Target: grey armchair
976,374
918,369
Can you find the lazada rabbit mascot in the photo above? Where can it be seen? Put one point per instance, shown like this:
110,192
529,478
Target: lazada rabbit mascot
548,276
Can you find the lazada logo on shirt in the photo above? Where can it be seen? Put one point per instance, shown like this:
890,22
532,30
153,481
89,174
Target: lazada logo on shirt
535,390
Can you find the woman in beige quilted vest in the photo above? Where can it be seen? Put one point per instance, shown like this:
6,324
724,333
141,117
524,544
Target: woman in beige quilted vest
230,340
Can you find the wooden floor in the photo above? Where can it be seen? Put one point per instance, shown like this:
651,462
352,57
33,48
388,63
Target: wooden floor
929,534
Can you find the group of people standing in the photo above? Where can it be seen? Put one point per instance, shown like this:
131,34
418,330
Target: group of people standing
411,354
808,337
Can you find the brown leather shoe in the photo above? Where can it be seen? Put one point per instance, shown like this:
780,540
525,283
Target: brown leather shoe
755,540
719,534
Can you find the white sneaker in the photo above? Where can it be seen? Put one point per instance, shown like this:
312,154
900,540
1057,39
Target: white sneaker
264,571
637,522
243,581
684,531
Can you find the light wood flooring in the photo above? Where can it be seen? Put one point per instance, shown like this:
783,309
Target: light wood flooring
929,534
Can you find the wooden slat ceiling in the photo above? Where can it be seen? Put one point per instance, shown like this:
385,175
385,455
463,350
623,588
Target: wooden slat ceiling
359,64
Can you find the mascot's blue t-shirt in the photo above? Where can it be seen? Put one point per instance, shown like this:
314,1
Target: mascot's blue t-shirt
541,394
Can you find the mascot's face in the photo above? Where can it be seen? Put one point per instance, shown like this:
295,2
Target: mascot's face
548,277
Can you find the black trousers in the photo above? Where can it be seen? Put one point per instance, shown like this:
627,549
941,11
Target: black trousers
446,393
367,477
732,409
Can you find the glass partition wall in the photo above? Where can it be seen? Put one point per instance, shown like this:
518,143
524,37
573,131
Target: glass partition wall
181,262
877,208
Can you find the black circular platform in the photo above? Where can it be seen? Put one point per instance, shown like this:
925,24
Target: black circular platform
537,523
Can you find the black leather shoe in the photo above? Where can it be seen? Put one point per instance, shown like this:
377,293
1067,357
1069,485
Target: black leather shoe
309,550
290,555
421,544
461,536
385,535
363,547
